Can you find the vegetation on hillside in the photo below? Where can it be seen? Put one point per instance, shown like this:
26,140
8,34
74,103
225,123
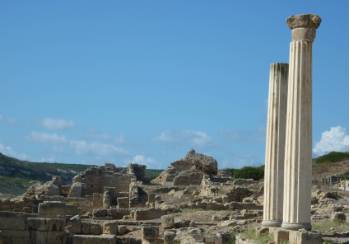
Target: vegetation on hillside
332,157
12,167
152,173
248,172
257,173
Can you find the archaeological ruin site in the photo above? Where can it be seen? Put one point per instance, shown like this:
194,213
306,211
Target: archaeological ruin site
193,201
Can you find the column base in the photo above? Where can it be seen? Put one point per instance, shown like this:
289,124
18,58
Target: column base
271,223
296,226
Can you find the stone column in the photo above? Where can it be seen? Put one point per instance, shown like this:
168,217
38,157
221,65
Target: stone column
298,153
275,141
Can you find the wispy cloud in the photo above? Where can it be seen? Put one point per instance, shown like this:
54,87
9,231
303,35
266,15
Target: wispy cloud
7,119
198,138
43,137
334,139
96,148
119,139
57,124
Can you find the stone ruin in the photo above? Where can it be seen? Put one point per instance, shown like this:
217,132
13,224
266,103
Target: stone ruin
189,170
192,201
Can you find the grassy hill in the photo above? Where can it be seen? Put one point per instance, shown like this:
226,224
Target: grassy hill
16,175
328,164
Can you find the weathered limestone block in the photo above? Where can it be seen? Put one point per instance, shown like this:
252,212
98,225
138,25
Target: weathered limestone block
110,227
304,237
77,189
202,162
13,220
15,236
123,202
56,208
91,228
280,235
150,233
106,199
237,193
192,162
100,212
115,213
151,213
94,239
97,200
46,224
167,222
137,196
188,177
169,236
118,213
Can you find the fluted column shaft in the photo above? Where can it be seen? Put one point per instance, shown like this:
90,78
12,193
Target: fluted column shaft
298,151
275,141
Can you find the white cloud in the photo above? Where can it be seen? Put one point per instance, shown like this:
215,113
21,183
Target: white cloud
6,119
335,139
7,150
198,138
96,148
57,124
142,159
107,137
43,137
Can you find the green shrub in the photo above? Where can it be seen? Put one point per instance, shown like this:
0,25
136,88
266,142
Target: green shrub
248,172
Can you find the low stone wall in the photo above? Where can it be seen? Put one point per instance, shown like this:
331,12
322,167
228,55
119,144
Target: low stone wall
94,239
23,228
28,206
114,213
56,208
150,213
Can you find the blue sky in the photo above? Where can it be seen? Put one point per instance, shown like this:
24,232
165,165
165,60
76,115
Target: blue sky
95,81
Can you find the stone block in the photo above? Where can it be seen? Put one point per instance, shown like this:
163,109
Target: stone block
94,239
150,233
280,235
13,221
14,236
52,237
169,236
150,213
90,228
56,208
123,202
304,237
100,212
45,224
118,213
110,227
167,221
